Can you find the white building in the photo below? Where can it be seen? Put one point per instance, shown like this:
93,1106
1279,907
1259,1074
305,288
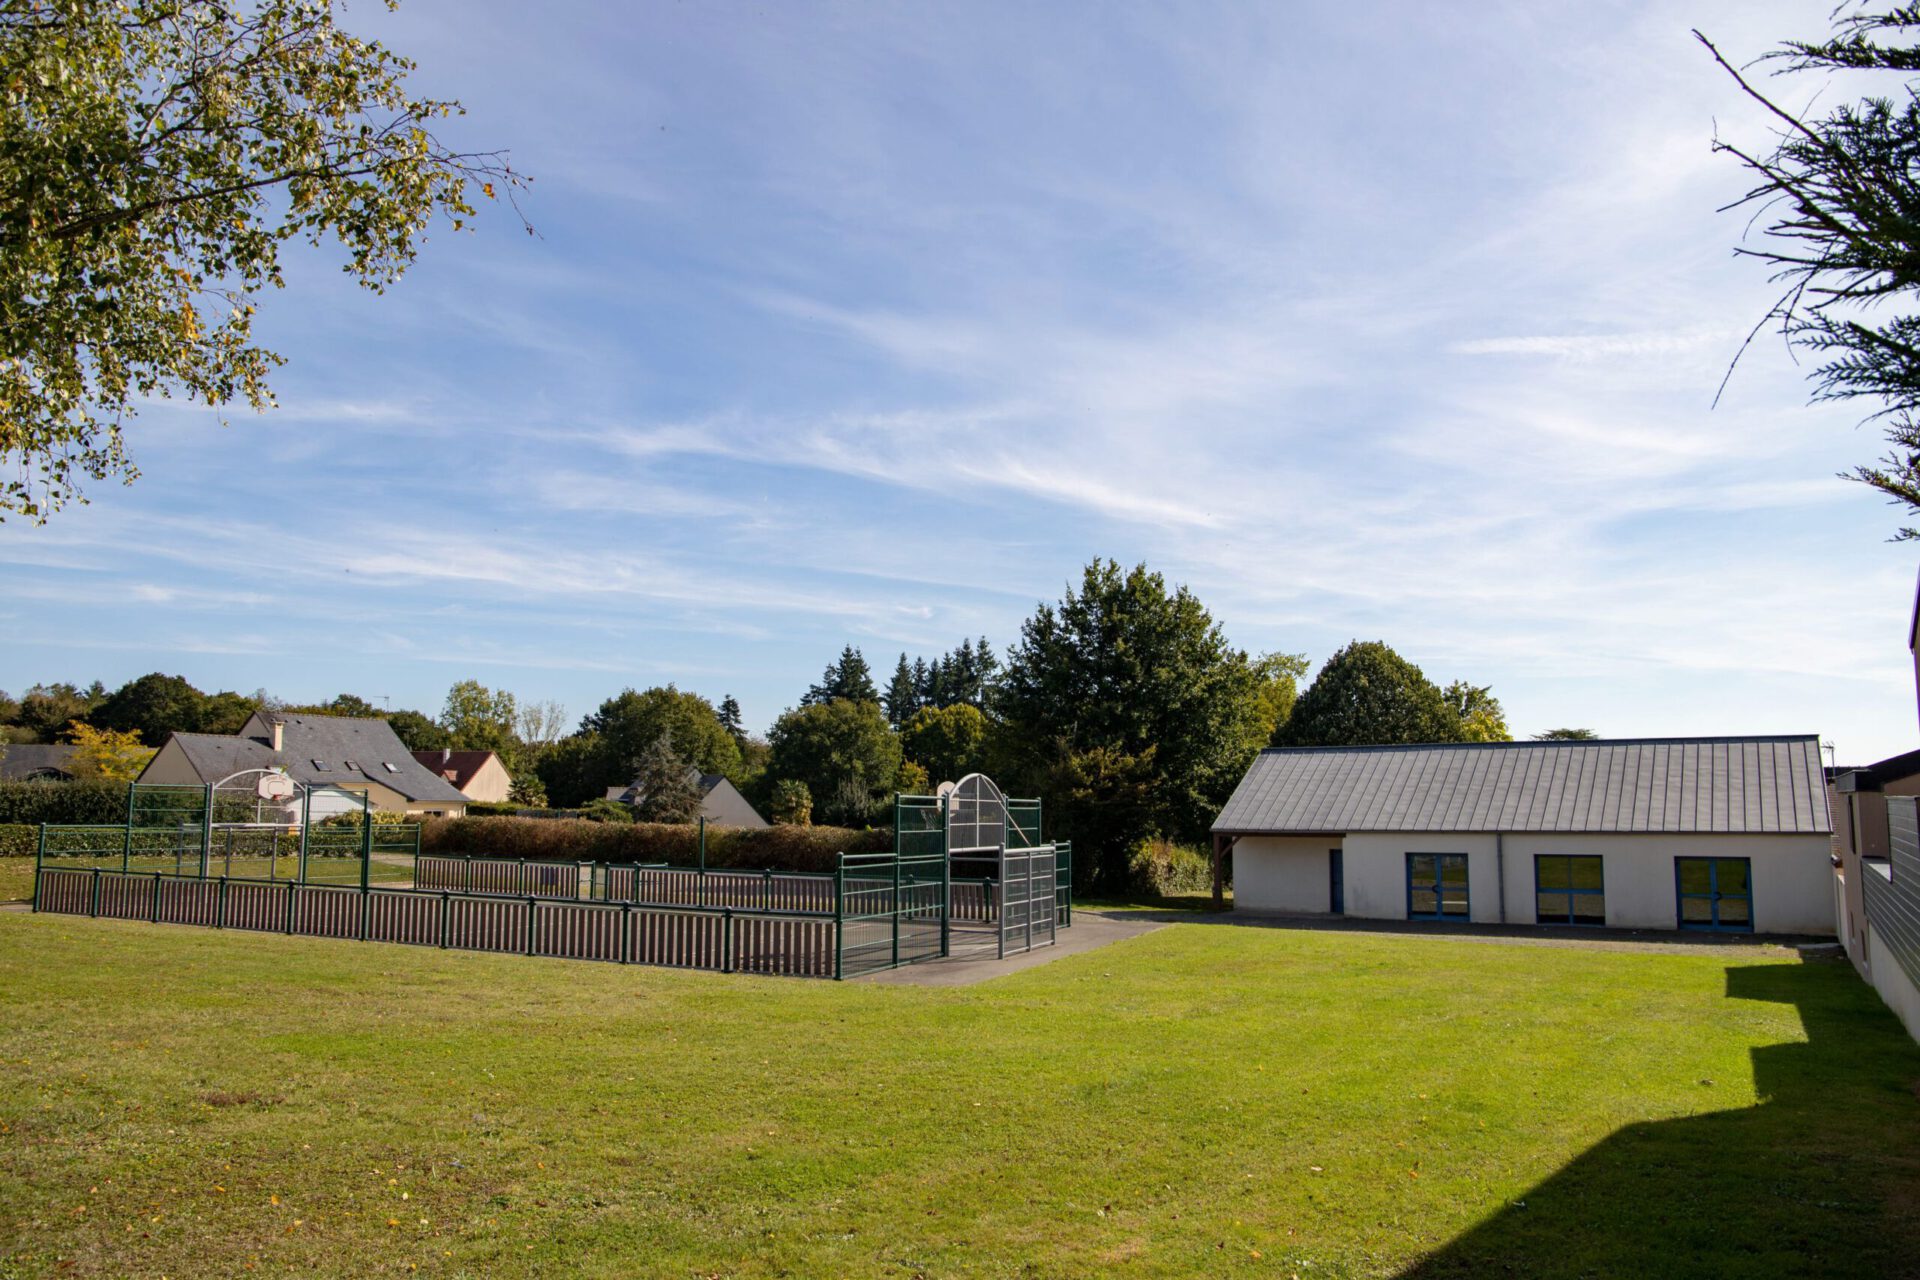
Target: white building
1725,834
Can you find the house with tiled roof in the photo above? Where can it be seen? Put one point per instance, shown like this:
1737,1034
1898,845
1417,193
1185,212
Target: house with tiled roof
480,776
342,753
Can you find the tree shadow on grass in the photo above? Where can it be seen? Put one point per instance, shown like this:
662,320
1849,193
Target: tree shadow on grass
1820,1178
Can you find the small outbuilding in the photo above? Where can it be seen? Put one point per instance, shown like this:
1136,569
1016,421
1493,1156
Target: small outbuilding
1726,834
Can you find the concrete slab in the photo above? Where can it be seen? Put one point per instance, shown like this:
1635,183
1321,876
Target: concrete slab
1091,930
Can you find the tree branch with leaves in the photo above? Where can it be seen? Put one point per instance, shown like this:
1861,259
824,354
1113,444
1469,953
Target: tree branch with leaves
1837,198
154,157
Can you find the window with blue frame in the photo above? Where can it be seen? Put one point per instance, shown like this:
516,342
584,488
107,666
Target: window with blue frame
1714,893
1568,889
1437,886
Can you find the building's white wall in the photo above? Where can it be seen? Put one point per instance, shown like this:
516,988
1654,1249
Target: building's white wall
1377,871
1285,874
1891,981
1792,875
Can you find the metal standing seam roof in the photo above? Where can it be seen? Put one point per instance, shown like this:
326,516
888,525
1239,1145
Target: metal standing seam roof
1762,785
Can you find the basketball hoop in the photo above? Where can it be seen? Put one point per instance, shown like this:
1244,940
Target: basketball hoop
274,786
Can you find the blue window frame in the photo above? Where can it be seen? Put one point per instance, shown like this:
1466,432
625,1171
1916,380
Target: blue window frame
1437,887
1714,893
1569,889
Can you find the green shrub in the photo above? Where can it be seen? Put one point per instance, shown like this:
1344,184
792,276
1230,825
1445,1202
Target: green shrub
782,848
1159,868
18,840
63,803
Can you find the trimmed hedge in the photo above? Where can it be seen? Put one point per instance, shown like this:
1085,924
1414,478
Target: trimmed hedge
18,840
781,848
63,803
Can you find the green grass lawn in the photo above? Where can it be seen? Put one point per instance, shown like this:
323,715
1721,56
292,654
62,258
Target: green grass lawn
1204,1100
16,879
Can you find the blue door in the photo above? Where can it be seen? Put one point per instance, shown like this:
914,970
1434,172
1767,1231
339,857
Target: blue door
1337,883
1714,893
1437,886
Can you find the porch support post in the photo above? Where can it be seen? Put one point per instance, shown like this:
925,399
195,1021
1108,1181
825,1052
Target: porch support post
1221,844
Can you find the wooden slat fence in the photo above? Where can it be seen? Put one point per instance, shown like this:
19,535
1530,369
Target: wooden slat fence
719,939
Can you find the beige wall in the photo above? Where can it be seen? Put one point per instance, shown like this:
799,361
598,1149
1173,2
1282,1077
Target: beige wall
169,764
1792,875
489,784
1287,875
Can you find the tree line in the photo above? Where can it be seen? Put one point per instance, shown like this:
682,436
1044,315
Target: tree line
1122,705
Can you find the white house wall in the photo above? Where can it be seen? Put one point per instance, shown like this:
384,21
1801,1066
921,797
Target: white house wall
1287,875
1792,875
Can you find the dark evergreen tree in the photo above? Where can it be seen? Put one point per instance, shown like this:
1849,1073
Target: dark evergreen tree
1837,195
902,698
666,783
847,679
729,716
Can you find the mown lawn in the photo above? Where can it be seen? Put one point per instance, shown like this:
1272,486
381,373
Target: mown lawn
16,879
1206,1099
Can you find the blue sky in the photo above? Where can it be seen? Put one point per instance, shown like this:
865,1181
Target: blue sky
874,323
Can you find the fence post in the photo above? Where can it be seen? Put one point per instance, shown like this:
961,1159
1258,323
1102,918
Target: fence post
95,906
156,897
446,919
220,905
40,860
206,832
766,889
532,923
946,886
895,905
292,887
626,933
726,940
839,916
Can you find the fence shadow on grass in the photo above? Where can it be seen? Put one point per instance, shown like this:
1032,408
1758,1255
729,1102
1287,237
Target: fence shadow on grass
1820,1178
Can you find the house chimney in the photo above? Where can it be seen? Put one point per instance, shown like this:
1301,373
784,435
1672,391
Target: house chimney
279,736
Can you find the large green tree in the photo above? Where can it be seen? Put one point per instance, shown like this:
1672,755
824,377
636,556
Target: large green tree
607,750
152,706
843,751
477,718
1482,718
948,742
1368,695
1836,196
1127,710
154,157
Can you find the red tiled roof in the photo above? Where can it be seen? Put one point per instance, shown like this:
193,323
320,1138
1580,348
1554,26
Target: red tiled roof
457,767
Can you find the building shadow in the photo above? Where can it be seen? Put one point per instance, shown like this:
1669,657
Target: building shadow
1821,1177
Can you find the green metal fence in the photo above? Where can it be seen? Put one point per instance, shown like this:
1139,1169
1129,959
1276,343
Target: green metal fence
354,878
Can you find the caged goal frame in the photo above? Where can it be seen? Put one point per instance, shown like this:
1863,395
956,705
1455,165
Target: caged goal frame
209,856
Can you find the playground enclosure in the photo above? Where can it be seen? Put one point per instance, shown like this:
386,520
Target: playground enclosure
968,876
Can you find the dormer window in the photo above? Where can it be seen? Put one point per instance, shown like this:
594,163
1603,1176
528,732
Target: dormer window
320,765
352,767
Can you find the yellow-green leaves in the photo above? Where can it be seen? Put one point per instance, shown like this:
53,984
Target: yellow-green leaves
142,145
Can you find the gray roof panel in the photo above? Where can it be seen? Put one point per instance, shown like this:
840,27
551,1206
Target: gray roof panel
1769,785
